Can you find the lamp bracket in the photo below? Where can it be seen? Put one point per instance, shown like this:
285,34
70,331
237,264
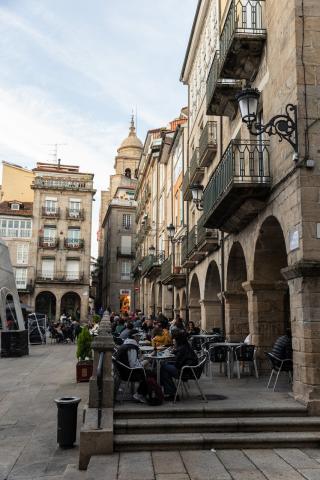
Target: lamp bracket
285,126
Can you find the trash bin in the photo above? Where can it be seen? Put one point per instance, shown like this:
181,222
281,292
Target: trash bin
67,420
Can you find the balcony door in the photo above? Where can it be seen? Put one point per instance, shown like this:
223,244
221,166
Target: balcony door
73,270
47,268
74,207
73,236
126,245
49,234
51,206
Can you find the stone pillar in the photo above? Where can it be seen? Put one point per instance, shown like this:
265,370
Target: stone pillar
266,313
304,284
195,315
58,305
103,342
210,314
236,315
84,306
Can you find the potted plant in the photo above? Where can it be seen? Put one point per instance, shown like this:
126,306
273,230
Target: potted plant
84,356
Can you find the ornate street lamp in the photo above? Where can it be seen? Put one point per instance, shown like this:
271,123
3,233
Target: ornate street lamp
283,125
171,231
152,250
197,195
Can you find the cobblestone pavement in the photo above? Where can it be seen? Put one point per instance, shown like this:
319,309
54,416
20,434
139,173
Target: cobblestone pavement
28,448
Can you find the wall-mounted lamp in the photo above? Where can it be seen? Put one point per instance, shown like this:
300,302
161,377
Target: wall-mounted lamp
197,195
152,250
171,230
285,126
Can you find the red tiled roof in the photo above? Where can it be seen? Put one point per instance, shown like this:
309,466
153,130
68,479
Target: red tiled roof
25,209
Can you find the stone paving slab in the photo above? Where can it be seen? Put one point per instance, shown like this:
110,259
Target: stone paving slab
135,467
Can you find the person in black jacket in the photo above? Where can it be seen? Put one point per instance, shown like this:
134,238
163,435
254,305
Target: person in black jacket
184,355
282,347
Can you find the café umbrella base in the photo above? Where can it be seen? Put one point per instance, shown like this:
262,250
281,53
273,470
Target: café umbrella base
67,420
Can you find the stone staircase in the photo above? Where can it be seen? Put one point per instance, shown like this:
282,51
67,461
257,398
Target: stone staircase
181,428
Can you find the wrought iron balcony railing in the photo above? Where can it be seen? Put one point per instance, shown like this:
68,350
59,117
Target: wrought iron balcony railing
172,272
149,262
48,242
73,243
75,214
60,276
245,18
192,239
243,172
204,234
50,212
185,186
208,144
194,166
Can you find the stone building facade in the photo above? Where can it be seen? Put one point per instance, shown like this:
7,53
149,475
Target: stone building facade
62,222
261,196
117,239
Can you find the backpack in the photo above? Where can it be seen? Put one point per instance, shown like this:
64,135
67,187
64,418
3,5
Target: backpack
154,392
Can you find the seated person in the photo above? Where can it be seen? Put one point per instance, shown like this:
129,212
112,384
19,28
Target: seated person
125,333
161,337
147,327
128,354
184,355
177,325
192,329
282,347
120,325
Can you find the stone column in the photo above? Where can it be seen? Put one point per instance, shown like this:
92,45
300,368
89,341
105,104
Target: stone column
103,342
210,314
236,315
266,313
84,307
304,284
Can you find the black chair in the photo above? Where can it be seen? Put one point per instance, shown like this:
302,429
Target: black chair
127,375
220,354
196,343
192,372
117,340
246,354
279,365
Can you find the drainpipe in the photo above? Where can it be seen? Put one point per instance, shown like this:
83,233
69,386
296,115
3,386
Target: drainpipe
223,307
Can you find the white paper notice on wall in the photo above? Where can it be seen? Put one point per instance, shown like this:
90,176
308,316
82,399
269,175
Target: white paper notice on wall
318,230
294,239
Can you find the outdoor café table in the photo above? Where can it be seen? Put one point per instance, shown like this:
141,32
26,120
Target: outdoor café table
146,348
144,343
160,357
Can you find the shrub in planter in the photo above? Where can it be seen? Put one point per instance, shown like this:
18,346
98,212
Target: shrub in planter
96,318
84,355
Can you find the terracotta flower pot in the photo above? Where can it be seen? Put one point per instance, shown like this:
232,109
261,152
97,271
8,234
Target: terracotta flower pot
84,370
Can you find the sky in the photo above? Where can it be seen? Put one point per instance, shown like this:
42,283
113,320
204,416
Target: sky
72,71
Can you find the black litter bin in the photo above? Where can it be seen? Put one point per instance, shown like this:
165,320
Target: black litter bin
67,420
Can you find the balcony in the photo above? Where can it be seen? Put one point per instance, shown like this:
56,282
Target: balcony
59,277
207,239
190,252
50,212
136,266
242,40
186,192
195,171
74,214
48,242
151,266
73,243
238,188
23,287
172,274
125,252
221,92
208,144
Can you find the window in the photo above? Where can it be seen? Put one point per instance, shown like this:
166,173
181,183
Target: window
51,206
49,233
15,206
126,221
15,228
74,236
74,207
73,270
21,275
126,245
47,268
22,253
126,270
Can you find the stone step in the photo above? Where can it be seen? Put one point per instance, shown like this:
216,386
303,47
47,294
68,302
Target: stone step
205,441
200,410
207,425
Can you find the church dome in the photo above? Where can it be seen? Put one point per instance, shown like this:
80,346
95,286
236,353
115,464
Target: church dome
132,141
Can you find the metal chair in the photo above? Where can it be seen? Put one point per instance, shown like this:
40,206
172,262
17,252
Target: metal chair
127,375
220,354
192,372
279,365
247,355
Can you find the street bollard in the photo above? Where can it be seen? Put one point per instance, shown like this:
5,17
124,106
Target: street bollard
67,420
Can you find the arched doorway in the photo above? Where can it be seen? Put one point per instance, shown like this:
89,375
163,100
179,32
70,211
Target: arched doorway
270,292
236,300
71,304
46,304
194,307
211,304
